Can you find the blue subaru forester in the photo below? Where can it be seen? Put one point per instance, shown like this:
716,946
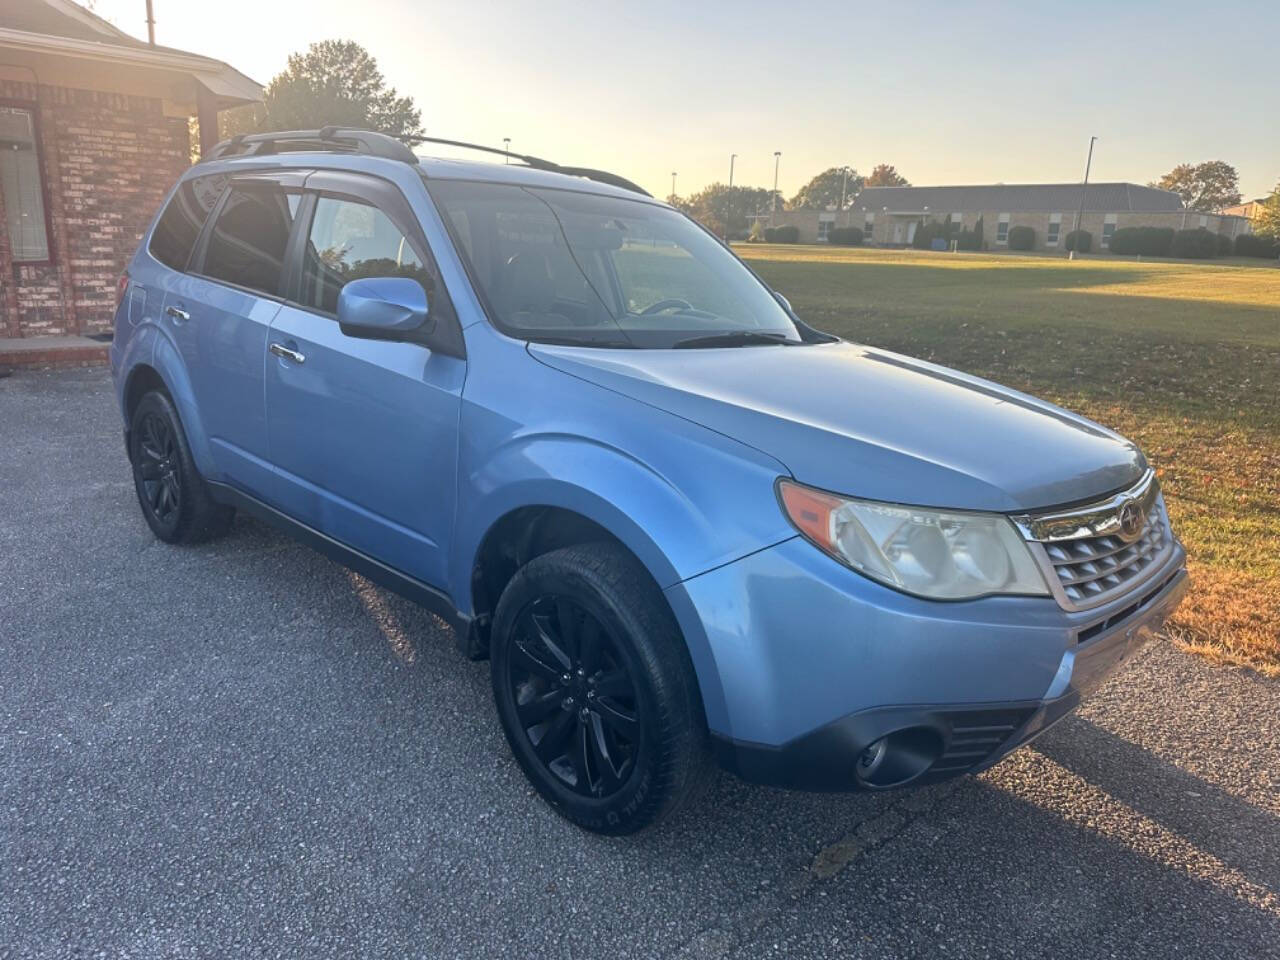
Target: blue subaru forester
681,523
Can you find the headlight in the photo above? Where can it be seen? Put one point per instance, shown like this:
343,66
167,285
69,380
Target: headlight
931,553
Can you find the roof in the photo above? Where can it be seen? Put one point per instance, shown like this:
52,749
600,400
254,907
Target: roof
1099,197
63,29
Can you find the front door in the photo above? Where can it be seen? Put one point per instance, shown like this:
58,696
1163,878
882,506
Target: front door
218,315
911,232
897,233
364,433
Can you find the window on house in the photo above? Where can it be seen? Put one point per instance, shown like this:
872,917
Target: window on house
349,241
1204,221
1002,229
957,221
1108,229
248,242
22,184
868,225
1055,228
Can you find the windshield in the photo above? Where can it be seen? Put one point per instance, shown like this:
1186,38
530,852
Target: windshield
583,268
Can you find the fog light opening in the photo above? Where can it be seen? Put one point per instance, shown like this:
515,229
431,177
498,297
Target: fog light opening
898,757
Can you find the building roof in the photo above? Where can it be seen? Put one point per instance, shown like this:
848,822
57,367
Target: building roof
1014,197
67,31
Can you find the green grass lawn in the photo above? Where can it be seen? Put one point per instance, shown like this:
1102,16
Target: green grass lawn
1183,358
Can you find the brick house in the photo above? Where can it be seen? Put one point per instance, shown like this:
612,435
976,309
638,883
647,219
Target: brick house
889,216
94,128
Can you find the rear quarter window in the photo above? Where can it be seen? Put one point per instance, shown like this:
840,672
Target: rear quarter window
175,234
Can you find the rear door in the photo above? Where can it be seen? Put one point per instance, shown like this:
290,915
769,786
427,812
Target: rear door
219,313
364,433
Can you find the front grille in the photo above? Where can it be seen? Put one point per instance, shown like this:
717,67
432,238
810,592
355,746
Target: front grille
1094,569
1097,553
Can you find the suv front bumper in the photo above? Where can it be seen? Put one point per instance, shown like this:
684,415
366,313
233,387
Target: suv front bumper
914,691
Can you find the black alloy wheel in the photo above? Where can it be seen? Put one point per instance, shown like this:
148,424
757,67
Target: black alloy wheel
575,697
157,465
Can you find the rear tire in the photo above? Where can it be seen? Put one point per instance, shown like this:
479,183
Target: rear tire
175,500
595,690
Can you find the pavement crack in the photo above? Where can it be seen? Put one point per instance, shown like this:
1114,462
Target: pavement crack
737,927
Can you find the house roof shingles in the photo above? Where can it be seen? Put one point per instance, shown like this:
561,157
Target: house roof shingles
1014,197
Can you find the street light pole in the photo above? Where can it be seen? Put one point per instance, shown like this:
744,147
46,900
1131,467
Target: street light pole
1083,190
506,144
777,158
732,157
673,183
844,185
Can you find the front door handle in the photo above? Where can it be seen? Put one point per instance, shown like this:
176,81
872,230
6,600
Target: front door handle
178,314
280,350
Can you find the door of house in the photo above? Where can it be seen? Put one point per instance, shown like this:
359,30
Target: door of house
911,232
897,233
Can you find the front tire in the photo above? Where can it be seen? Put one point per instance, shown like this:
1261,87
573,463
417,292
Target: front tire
174,498
595,689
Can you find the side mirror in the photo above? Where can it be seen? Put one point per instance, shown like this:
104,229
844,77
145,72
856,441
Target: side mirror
786,304
383,308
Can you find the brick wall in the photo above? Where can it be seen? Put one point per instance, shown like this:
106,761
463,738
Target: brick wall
108,160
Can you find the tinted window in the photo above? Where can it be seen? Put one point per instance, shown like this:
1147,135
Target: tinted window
21,180
350,240
248,241
175,234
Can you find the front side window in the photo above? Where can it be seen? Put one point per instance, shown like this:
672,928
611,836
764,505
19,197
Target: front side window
869,225
1055,228
1108,229
22,185
1002,229
175,234
247,244
585,268
350,240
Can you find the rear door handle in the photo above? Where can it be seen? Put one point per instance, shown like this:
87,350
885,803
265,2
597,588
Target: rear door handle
280,350
178,314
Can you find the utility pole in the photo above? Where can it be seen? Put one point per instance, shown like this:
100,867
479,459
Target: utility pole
777,158
844,185
673,183
732,157
1083,190
506,145
151,25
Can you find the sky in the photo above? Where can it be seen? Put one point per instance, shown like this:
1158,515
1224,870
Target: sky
947,92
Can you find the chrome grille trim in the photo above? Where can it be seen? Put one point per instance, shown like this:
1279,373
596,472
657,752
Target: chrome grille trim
1084,553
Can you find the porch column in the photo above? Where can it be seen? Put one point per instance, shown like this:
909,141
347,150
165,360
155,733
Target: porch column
206,118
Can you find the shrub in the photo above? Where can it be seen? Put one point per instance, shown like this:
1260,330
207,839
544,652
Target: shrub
1080,240
1198,244
1022,238
845,236
1224,245
1147,241
969,240
786,234
1253,245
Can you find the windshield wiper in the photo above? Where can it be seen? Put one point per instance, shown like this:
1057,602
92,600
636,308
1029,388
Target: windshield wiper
733,338
579,341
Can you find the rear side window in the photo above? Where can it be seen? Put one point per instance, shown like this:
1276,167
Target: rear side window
247,244
350,240
175,234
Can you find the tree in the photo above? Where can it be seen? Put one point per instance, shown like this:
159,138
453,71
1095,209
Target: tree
886,175
829,189
726,211
1266,223
334,82
1206,186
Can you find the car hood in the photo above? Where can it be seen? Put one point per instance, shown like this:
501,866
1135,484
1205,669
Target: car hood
874,424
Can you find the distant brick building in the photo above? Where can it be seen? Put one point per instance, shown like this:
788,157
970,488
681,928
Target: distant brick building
93,131
889,216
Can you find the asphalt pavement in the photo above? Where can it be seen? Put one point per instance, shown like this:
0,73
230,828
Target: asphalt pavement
243,750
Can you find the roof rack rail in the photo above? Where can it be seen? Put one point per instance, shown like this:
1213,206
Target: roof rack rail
601,176
331,138
351,140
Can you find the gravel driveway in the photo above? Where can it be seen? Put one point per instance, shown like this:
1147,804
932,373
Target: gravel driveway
242,749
